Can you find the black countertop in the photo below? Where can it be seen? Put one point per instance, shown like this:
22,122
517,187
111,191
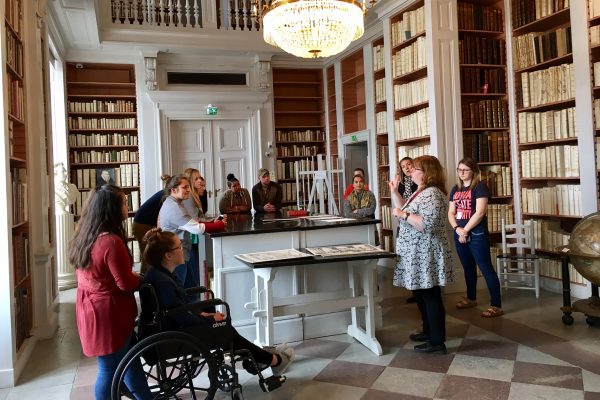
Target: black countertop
247,224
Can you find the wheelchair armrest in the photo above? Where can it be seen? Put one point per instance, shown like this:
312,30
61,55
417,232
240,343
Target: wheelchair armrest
198,306
200,289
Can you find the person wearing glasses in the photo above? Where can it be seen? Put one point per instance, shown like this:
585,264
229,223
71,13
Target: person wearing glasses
467,216
425,261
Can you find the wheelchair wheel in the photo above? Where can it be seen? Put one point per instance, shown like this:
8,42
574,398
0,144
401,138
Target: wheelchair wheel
225,377
171,361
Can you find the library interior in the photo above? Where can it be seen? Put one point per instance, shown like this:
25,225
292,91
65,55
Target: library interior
370,210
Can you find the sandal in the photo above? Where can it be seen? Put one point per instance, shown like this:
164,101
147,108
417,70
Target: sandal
492,312
466,303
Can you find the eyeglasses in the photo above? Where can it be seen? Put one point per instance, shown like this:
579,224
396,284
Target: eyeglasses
176,248
462,171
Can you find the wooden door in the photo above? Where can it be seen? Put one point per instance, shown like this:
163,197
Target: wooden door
216,148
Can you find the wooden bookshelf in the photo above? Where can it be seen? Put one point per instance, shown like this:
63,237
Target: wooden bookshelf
299,126
484,103
353,93
546,126
386,235
410,86
19,159
594,31
103,136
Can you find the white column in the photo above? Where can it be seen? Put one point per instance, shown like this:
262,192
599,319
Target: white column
65,225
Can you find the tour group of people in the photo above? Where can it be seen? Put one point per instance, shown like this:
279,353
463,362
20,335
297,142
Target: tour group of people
168,225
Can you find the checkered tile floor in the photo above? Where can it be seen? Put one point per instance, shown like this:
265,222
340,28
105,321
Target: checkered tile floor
526,354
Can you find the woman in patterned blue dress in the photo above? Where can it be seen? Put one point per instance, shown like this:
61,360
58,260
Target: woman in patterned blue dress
423,248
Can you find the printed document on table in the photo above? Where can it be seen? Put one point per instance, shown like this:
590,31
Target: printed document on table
274,255
344,250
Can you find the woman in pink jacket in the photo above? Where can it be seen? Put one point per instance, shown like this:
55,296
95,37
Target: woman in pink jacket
106,308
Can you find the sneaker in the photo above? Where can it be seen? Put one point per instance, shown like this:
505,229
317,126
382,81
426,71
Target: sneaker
280,348
287,356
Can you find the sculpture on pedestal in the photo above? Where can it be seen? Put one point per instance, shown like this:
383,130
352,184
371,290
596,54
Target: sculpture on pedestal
65,194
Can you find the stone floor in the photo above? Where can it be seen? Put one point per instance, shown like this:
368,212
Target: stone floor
526,354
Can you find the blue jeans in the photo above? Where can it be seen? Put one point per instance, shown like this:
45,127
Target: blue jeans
476,252
134,376
189,274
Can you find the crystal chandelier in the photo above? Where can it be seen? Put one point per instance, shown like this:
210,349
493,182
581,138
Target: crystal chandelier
313,28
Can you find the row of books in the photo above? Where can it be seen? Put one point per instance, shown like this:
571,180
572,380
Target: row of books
598,153
307,135
498,179
548,235
488,146
388,243
552,161
553,269
126,175
554,200
288,190
104,106
480,17
384,178
526,11
416,151
134,249
595,35
498,212
382,156
594,8
596,71
534,48
19,195
410,94
481,50
485,114
381,123
133,201
23,314
100,123
13,13
409,58
378,57
14,52
297,150
21,261
380,90
411,24
94,156
414,125
547,85
103,139
386,217
16,99
287,169
482,80
547,125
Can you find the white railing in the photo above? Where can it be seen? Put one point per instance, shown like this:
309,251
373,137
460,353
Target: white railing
229,14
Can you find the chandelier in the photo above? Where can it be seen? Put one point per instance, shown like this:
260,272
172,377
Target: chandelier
313,28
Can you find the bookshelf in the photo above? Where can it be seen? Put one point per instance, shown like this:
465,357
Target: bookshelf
332,111
19,160
353,92
546,123
103,136
484,102
382,143
409,80
299,125
594,32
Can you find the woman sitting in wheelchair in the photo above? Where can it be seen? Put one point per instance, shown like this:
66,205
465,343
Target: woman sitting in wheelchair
163,253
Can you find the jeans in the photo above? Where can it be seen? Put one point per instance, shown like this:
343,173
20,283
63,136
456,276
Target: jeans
189,274
134,376
476,252
433,313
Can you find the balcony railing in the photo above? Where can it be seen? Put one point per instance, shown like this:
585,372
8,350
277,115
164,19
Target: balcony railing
190,14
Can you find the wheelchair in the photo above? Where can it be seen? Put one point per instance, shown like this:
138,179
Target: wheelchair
176,361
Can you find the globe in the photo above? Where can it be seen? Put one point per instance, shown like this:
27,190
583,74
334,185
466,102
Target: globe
584,247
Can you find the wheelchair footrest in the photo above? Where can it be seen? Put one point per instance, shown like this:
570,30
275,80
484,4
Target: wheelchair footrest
271,383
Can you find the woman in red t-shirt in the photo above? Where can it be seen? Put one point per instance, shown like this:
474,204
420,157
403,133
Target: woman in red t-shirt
106,308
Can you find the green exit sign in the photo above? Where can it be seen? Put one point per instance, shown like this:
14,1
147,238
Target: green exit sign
354,138
211,110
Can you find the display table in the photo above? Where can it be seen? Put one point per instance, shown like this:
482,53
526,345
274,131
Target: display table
243,287
265,306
